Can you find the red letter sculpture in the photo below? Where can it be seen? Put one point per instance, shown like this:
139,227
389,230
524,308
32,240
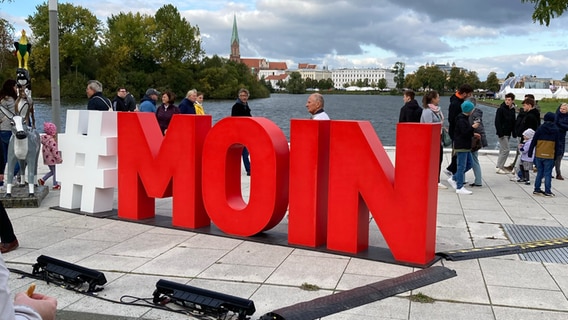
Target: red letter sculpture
222,175
402,199
154,166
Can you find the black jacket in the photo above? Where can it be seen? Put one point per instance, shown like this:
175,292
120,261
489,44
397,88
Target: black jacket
410,112
240,109
463,132
505,121
99,102
453,111
531,120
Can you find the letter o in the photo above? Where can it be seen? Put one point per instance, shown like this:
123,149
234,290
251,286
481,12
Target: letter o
221,176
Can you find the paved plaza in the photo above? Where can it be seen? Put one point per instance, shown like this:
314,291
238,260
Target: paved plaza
135,256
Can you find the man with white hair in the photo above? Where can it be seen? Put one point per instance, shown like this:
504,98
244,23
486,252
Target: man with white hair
96,99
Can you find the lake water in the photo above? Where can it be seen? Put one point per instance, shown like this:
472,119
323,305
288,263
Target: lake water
381,111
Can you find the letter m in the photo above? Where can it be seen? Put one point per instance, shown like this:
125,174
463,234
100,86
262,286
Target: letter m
402,199
154,166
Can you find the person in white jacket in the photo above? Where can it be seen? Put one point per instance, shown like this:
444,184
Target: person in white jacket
36,307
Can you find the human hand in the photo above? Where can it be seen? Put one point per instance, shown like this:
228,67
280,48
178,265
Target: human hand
477,134
475,125
44,305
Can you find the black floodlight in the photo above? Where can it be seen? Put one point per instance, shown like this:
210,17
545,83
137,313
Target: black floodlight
202,300
55,270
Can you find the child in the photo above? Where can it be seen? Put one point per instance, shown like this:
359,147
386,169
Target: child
51,155
526,161
545,145
463,134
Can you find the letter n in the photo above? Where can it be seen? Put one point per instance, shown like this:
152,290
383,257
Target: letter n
402,199
154,166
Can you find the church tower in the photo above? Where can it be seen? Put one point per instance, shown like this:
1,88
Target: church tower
235,50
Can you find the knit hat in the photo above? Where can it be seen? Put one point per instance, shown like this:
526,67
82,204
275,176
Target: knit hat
152,91
549,116
467,106
529,133
49,128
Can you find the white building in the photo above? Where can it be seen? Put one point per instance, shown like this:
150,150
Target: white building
342,76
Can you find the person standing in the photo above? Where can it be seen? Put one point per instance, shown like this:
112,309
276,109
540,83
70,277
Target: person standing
561,121
526,161
50,152
463,134
545,146
479,133
504,126
242,109
187,105
148,102
410,111
8,96
465,91
198,105
315,105
8,239
123,101
166,111
433,114
97,101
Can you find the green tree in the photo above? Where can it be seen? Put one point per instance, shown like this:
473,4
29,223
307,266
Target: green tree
544,10
399,78
382,83
510,75
7,60
565,79
492,82
473,79
456,78
176,39
296,84
431,77
411,82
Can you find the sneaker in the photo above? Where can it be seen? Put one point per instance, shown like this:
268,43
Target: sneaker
448,173
528,183
41,182
463,190
559,177
452,183
538,192
442,186
475,185
57,187
520,180
510,167
549,194
501,171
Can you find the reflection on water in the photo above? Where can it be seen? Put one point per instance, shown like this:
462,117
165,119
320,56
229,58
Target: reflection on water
381,111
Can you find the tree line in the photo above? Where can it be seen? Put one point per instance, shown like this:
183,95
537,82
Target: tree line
138,51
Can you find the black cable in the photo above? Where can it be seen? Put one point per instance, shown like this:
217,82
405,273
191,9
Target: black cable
136,301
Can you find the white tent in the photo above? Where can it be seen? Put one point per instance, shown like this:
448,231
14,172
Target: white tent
519,93
561,93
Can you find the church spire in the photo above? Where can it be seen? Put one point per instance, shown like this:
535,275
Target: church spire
235,50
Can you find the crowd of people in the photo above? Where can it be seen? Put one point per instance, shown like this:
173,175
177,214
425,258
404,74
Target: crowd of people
541,146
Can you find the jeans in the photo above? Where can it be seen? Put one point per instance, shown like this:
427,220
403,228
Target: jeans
246,160
464,163
50,174
476,168
504,150
544,169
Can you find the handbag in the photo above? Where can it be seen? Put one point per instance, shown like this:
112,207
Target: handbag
446,140
476,143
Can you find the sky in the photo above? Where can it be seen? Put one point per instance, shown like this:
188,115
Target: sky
483,35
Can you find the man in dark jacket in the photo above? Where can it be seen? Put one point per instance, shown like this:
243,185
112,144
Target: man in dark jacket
96,99
545,145
411,111
504,126
242,109
456,100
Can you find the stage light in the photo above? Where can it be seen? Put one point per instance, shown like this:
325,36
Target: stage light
54,270
202,300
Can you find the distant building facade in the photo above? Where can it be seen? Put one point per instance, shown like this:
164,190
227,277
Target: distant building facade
341,77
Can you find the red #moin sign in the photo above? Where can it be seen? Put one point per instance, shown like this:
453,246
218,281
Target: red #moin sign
332,175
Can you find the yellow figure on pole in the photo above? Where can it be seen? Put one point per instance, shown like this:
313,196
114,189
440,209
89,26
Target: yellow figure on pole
23,50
